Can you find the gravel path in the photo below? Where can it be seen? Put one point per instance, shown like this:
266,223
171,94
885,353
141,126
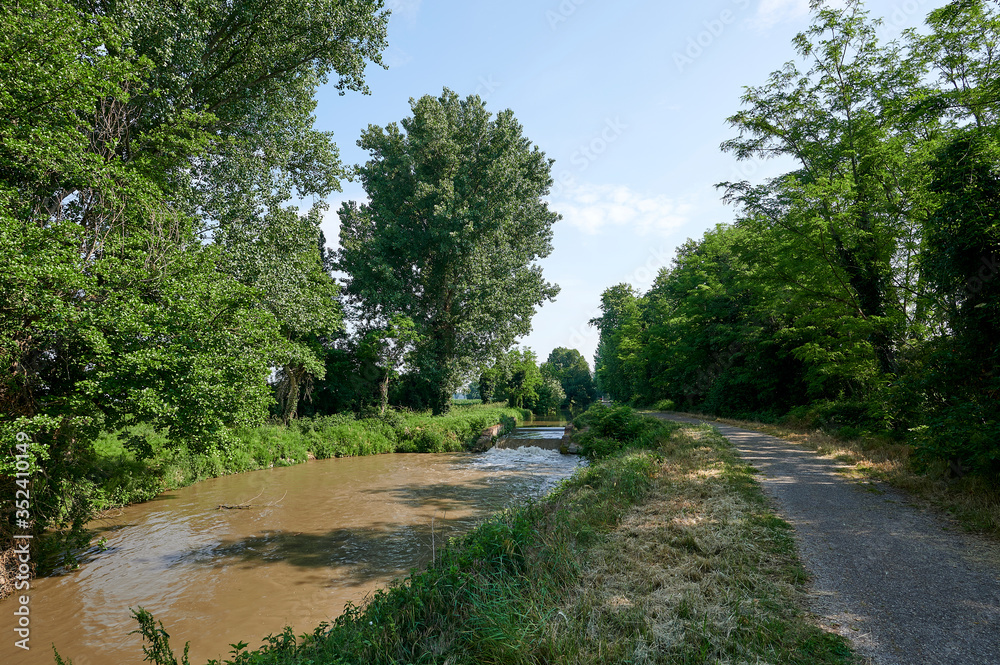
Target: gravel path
905,585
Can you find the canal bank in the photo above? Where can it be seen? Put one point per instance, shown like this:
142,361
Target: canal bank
113,475
662,550
239,557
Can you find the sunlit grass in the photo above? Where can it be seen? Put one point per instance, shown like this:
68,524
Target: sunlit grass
972,500
700,572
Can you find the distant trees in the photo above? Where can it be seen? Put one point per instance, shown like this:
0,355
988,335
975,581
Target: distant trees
858,291
449,237
564,381
570,369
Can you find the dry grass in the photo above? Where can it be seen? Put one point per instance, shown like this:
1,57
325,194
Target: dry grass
973,501
699,572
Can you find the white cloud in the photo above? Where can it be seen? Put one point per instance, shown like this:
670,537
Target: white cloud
596,208
406,9
772,12
394,57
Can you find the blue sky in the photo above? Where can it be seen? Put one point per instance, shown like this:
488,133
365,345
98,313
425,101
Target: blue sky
629,97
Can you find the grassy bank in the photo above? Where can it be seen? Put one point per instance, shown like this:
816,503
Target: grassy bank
662,550
113,475
121,478
973,500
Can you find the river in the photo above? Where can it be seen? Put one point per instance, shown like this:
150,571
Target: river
315,536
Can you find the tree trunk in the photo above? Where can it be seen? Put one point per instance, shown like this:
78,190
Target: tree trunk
384,393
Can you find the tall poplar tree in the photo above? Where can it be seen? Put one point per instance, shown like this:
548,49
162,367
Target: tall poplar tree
450,235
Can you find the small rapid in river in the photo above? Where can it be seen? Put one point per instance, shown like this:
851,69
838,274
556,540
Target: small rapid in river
304,541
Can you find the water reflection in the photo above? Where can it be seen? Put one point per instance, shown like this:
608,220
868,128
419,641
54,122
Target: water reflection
317,535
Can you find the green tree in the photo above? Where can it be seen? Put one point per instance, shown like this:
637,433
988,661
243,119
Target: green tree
525,380
962,48
390,344
854,205
493,381
959,378
282,262
254,96
119,206
450,235
619,309
570,369
550,396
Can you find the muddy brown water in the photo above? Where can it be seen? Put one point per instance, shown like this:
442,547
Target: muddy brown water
318,535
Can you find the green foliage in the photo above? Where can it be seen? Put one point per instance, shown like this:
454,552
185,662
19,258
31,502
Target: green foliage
611,429
454,224
550,396
844,418
516,377
389,345
616,375
152,272
525,379
958,374
858,292
570,369
156,641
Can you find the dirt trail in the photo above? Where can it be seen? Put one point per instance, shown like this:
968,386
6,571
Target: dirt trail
903,584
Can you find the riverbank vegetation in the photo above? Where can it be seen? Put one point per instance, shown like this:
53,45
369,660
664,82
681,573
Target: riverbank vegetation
114,475
663,549
859,292
159,283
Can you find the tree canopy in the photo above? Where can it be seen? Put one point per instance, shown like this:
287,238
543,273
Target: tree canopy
154,270
570,369
449,237
858,291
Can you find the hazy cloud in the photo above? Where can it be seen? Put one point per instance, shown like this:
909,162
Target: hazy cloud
404,9
597,208
772,12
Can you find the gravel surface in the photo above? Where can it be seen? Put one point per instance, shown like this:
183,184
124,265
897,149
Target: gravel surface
903,584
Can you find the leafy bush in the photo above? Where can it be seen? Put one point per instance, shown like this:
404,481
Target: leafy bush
843,418
611,429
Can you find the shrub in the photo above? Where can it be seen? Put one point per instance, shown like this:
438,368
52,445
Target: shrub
610,429
843,418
